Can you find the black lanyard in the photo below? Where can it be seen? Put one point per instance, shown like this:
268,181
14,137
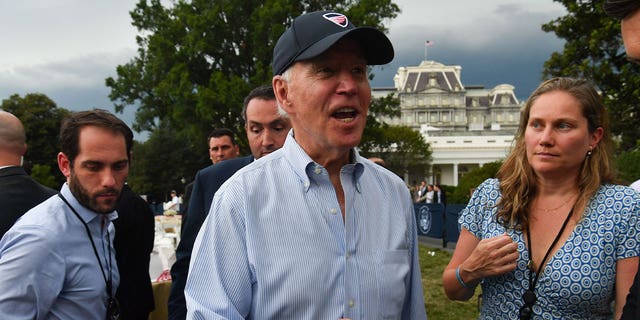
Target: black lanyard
107,281
529,296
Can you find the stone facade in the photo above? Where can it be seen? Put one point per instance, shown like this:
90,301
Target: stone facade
466,126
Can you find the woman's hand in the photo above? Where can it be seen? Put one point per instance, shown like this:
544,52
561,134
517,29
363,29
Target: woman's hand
477,259
491,257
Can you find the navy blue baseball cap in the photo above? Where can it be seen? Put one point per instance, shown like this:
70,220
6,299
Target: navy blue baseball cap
313,33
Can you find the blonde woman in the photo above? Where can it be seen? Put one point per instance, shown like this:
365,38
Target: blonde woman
551,237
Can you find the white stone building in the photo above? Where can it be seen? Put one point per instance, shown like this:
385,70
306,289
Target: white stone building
466,126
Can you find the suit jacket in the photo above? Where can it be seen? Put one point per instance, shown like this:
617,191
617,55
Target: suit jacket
443,197
632,306
18,194
185,199
133,242
207,182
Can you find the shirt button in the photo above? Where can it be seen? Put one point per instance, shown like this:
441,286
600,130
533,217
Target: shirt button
317,170
333,211
348,255
351,303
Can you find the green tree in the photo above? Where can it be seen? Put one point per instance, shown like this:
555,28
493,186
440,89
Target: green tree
471,180
41,118
594,50
628,164
164,163
373,136
43,174
198,59
403,149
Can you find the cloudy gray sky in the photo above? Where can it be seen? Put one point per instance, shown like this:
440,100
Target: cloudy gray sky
66,48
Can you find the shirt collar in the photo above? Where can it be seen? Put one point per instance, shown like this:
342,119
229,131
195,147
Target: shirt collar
305,167
86,214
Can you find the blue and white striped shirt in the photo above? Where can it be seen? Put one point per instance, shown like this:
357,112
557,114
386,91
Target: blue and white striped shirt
275,246
48,266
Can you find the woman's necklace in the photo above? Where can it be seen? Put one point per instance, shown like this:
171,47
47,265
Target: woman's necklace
546,210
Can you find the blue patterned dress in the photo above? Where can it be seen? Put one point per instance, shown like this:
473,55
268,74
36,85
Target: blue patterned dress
578,281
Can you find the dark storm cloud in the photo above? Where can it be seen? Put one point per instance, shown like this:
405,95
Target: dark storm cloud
506,46
65,49
73,84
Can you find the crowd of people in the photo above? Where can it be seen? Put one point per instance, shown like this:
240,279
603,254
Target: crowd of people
306,228
429,193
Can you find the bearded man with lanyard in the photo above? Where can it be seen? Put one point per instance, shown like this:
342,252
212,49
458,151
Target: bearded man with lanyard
58,260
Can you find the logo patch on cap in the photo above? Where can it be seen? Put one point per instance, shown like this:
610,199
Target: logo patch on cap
337,18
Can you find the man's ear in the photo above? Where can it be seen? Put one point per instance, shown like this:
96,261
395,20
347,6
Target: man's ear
281,91
64,164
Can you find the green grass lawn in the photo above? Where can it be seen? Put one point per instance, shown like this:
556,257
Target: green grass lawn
439,307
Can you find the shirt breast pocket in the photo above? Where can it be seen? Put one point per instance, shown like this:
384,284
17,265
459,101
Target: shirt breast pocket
393,272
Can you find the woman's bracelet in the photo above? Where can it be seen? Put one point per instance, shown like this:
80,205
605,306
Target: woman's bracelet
460,278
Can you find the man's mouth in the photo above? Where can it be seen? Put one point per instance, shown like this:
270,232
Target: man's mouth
345,115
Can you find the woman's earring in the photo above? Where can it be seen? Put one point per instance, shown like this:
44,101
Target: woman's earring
590,151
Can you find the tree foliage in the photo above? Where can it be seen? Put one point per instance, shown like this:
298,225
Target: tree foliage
41,119
44,175
198,59
374,133
407,154
162,163
471,180
628,164
403,149
594,50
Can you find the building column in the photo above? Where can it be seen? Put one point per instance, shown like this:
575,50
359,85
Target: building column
455,174
430,174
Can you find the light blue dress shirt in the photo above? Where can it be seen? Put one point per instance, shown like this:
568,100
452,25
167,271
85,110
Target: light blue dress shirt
48,266
275,246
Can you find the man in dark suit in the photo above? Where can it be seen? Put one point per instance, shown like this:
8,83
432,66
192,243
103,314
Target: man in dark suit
439,195
133,244
19,192
266,132
628,12
222,146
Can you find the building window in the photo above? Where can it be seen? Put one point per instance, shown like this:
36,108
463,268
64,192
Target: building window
504,99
